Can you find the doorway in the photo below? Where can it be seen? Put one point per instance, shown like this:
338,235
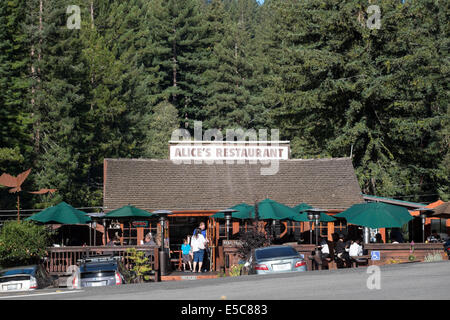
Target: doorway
181,227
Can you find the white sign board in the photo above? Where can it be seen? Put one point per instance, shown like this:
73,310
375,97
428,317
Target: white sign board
228,152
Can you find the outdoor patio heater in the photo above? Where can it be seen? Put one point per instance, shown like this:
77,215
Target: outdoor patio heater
163,254
314,216
423,215
227,214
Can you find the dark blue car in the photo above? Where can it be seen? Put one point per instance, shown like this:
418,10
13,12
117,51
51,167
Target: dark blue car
99,271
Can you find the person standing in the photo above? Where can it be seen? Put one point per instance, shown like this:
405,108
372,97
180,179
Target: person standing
206,261
198,243
186,256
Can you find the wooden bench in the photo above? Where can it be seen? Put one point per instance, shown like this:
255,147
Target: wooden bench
357,260
327,263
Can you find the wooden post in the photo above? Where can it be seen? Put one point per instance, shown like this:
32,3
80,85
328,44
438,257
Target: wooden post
382,231
330,230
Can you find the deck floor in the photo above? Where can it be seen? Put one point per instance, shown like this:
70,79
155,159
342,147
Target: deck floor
180,275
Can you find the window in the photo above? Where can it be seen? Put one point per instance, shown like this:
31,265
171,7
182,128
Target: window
439,225
129,233
323,229
269,253
340,226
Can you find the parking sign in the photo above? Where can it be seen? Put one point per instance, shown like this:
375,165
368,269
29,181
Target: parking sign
375,255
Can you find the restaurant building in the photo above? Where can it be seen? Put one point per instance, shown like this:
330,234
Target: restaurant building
197,190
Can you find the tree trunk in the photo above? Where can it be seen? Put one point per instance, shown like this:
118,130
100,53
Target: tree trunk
92,14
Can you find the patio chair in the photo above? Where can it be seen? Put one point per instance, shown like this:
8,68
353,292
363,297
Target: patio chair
321,263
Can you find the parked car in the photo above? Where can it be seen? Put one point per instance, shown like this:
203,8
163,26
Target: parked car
275,259
100,271
447,248
26,278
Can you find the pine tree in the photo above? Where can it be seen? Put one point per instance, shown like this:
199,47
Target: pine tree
229,80
57,100
180,53
14,140
161,123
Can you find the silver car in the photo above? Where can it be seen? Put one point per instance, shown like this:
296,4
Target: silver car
25,278
275,259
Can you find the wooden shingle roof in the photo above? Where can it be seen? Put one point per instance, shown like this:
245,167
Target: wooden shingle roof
161,184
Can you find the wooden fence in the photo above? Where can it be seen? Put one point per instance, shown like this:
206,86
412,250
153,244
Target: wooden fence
59,259
400,252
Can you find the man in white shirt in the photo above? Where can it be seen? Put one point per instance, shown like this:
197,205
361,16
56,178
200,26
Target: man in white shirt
355,249
324,249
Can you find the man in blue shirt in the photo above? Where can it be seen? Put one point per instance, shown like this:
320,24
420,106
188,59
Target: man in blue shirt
202,227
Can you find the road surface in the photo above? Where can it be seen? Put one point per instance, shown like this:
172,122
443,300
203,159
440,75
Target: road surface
402,281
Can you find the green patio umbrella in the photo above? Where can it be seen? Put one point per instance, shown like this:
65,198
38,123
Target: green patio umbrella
270,209
303,216
62,213
129,211
244,211
376,215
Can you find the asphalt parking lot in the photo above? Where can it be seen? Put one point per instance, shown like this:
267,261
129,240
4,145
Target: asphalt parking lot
402,281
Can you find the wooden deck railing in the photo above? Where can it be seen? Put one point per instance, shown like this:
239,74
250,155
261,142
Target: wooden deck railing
60,258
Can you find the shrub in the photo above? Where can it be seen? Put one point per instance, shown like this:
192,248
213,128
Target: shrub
252,239
235,270
393,261
22,243
432,257
141,265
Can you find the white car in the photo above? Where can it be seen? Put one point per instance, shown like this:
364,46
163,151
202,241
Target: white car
25,278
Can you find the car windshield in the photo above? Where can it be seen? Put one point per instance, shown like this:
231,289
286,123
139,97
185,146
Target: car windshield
16,271
14,278
100,274
269,253
98,267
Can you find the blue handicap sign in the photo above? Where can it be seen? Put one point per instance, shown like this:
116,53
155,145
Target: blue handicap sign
375,255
